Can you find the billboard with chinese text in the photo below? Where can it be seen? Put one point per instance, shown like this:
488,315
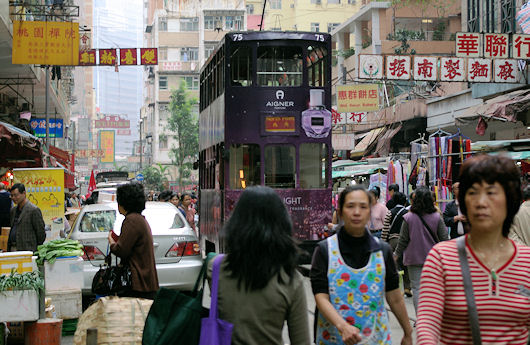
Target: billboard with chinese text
356,98
39,127
106,143
45,43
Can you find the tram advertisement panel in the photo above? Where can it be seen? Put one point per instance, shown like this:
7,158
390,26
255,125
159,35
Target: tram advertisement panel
309,210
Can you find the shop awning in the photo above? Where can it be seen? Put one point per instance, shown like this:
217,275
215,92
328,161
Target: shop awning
502,108
19,149
63,159
368,139
383,143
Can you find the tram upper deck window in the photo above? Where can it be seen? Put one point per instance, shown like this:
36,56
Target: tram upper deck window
241,66
313,165
317,64
280,166
279,66
244,166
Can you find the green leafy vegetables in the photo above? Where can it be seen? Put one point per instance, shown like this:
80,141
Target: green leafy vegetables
51,250
24,281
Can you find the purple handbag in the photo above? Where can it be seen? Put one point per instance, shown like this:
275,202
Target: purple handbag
215,331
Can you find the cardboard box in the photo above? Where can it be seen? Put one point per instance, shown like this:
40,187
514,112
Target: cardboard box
5,231
20,305
67,303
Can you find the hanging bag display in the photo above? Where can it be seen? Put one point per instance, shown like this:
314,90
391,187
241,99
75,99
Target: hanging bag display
215,331
112,280
175,317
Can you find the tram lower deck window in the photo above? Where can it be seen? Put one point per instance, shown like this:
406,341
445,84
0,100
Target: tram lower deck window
244,165
313,165
280,166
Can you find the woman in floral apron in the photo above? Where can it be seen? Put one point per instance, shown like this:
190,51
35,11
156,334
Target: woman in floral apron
351,275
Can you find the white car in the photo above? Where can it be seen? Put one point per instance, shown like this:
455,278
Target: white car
177,252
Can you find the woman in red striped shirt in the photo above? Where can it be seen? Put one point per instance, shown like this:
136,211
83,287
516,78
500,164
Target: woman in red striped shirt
490,195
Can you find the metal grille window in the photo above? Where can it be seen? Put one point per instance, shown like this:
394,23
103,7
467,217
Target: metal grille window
489,17
315,27
473,15
189,24
189,54
508,16
192,82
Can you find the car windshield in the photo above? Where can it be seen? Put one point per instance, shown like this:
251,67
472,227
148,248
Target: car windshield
163,219
98,221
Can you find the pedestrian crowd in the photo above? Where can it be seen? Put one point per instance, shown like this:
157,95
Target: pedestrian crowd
467,269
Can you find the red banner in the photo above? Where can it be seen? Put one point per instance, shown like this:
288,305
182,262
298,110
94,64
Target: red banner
107,57
87,58
149,56
128,56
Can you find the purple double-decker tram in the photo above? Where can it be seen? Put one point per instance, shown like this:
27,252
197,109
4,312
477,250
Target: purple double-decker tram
265,120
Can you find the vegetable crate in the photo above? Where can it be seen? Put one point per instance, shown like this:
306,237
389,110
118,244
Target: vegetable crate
19,305
66,273
20,261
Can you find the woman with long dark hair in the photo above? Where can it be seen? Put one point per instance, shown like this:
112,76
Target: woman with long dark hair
259,286
421,229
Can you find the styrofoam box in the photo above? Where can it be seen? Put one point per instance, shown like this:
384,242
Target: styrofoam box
20,261
64,274
67,303
22,305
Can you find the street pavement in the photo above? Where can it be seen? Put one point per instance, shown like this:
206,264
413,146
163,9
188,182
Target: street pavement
395,328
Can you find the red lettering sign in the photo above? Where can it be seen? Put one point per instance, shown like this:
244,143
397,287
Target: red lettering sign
148,56
521,46
468,44
107,57
128,57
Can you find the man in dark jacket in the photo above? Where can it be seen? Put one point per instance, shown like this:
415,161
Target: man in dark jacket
453,218
27,224
5,206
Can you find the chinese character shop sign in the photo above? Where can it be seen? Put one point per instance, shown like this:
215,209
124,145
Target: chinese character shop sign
468,44
45,43
39,128
357,98
106,143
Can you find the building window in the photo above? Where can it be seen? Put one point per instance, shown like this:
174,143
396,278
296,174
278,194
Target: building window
189,24
162,53
162,142
250,9
332,26
315,27
162,24
162,82
508,16
276,4
233,23
488,19
317,2
211,22
163,112
208,50
189,54
192,82
352,2
473,13
333,1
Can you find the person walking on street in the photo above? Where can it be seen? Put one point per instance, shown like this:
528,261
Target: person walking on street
391,231
27,224
377,213
259,286
520,230
453,217
5,206
186,210
135,243
421,229
489,197
352,273
392,189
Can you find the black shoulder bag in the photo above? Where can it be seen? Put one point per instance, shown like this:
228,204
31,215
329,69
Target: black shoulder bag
112,280
434,236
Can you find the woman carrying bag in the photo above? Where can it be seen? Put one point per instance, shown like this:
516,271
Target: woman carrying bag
259,287
490,304
134,246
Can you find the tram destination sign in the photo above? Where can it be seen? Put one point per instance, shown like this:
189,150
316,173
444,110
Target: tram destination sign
264,36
